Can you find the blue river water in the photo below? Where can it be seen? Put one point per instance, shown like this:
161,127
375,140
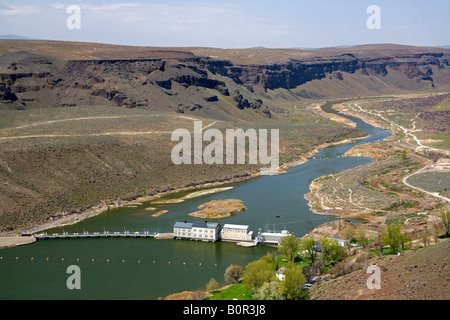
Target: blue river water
149,268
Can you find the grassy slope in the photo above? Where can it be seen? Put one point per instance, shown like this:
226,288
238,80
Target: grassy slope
237,291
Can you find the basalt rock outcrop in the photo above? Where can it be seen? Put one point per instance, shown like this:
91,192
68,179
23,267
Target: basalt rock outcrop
182,81
296,72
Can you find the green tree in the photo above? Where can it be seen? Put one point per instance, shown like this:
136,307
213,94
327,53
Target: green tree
349,233
326,245
445,218
406,242
360,234
332,251
288,246
269,291
403,155
308,246
425,236
232,274
271,259
258,272
293,283
393,237
379,243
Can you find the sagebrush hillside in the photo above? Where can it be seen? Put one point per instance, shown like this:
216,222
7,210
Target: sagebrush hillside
83,124
422,274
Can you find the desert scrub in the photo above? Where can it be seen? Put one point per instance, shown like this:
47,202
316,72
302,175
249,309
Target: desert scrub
396,220
431,181
378,213
350,264
326,177
412,217
410,204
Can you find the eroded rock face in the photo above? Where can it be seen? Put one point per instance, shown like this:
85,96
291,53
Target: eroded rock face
297,72
30,80
130,83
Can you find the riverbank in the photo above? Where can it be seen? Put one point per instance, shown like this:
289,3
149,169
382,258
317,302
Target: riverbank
7,242
342,201
64,218
71,219
173,266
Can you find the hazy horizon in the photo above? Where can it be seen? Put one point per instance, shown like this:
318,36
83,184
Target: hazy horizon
231,23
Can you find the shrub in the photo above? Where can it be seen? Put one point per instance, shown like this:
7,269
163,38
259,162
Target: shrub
232,274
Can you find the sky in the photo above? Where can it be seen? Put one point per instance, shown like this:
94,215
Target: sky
230,23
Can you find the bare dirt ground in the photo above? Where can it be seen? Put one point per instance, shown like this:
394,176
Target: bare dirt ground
423,274
187,295
6,242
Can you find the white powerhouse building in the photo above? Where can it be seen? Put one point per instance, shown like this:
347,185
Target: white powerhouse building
211,231
206,231
236,232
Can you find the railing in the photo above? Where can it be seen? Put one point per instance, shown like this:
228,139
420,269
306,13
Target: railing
105,234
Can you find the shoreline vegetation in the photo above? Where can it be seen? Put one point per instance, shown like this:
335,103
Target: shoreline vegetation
395,161
218,209
105,206
158,198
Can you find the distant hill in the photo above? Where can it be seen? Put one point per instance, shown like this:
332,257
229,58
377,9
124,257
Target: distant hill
207,81
13,36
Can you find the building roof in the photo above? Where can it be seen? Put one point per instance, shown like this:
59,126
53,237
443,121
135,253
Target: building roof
187,225
196,224
274,234
235,226
338,240
282,270
212,225
205,224
199,224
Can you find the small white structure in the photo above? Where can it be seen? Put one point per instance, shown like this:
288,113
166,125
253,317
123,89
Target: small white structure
273,237
341,242
280,273
236,232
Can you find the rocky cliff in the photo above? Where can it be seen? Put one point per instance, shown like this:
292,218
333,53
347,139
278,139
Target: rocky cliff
294,73
183,81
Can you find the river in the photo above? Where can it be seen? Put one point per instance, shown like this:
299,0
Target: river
148,268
